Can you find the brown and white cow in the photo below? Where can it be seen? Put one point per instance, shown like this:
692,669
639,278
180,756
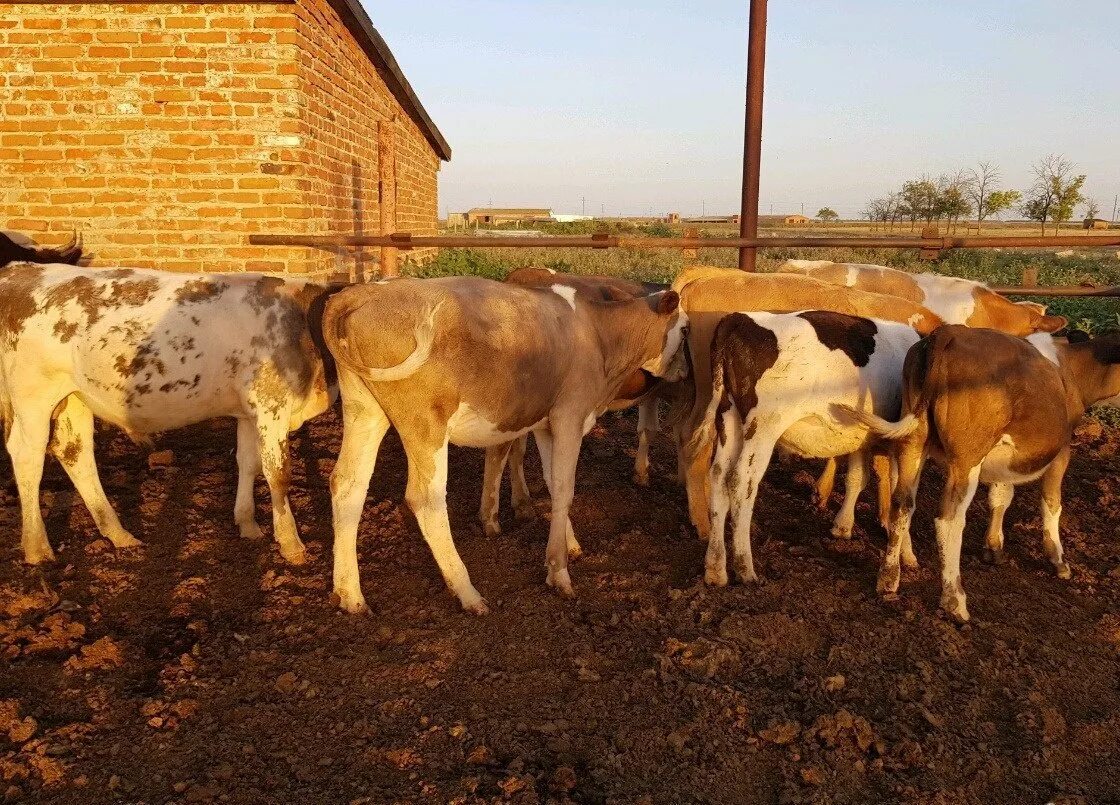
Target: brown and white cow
709,294
955,300
776,380
992,409
149,351
473,362
641,389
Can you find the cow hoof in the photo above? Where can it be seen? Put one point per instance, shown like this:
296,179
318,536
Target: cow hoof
125,541
842,531
491,528
477,606
955,609
887,583
39,555
744,571
1063,571
820,501
355,605
994,557
574,550
909,561
716,576
524,512
560,581
641,478
296,555
251,531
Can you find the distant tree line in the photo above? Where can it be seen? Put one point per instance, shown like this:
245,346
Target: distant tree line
975,195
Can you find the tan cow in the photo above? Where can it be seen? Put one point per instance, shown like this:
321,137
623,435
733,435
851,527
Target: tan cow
708,294
955,300
992,409
473,362
640,389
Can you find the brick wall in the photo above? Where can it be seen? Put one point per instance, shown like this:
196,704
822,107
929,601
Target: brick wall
167,134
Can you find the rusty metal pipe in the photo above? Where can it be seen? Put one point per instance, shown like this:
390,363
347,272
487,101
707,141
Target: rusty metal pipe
752,133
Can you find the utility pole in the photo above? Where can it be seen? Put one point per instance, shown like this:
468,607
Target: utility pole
583,201
1115,199
752,131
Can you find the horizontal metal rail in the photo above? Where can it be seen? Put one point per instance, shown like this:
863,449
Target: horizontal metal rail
1056,290
406,241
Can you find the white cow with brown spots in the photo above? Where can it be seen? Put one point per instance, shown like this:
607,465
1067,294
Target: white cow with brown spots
992,409
472,362
776,379
149,351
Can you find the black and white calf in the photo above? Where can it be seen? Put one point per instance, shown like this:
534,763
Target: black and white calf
777,381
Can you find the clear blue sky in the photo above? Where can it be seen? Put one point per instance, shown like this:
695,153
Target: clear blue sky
638,106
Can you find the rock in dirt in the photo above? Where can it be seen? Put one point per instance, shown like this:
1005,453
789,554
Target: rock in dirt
161,458
781,734
835,683
811,775
563,780
286,682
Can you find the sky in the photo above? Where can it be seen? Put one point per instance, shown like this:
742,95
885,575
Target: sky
621,107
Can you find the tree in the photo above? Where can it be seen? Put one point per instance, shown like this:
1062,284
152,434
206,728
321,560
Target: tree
952,199
1092,208
998,201
919,200
1055,193
980,185
827,214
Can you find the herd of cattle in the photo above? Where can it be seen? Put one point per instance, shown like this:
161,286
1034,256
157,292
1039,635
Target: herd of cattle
822,360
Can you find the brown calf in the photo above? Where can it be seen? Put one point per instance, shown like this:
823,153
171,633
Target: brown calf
992,409
477,363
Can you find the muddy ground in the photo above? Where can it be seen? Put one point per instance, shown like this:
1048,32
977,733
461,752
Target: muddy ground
205,668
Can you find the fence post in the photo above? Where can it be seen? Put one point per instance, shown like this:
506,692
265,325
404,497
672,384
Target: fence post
930,251
1030,276
689,253
387,191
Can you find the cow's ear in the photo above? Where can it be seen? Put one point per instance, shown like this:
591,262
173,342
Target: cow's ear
1077,336
1051,324
668,303
1038,306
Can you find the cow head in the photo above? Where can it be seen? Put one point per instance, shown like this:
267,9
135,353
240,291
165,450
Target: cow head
672,323
1014,318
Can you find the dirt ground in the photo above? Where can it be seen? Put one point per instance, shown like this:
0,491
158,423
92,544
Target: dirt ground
205,668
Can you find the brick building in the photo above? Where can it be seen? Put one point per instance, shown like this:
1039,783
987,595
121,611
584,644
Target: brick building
167,134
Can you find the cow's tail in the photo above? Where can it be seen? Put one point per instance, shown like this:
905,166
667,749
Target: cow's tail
12,252
917,378
702,438
334,323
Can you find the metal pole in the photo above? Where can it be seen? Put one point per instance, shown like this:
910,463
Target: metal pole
752,134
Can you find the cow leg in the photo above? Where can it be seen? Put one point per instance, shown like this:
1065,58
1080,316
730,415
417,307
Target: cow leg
723,484
427,497
886,472
364,426
519,490
544,446
248,468
999,498
564,444
27,446
647,424
1052,512
911,460
495,465
960,487
854,483
272,442
822,490
751,467
72,444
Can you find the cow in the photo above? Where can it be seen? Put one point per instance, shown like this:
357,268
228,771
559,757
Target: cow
13,252
708,294
473,362
149,351
955,300
993,409
776,380
639,389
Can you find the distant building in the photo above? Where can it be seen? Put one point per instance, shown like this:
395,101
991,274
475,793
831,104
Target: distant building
493,215
456,220
565,218
1095,223
714,219
673,218
795,220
